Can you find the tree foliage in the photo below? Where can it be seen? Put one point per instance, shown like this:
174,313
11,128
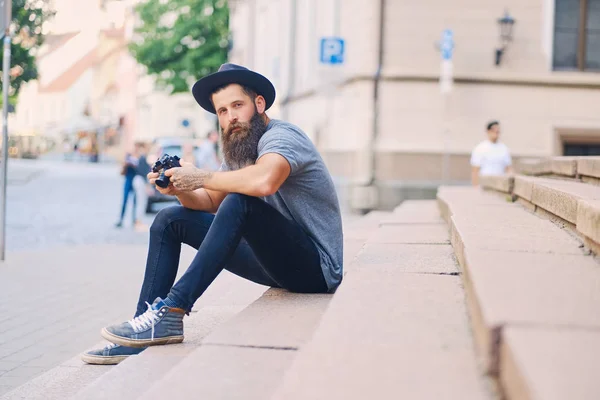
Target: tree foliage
28,17
181,40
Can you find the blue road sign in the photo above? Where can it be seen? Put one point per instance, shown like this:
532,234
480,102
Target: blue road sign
185,123
447,44
332,50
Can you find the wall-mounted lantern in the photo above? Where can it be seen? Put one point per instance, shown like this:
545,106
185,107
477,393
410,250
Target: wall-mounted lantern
506,24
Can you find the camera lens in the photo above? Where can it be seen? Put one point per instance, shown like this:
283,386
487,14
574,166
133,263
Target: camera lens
162,180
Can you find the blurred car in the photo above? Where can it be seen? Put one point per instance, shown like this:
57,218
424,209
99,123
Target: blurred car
172,146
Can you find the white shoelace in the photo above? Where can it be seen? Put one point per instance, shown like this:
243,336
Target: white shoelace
145,320
111,346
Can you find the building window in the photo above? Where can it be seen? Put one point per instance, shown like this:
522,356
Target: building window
581,149
577,35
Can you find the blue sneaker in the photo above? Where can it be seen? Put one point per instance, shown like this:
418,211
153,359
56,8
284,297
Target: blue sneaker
110,355
160,324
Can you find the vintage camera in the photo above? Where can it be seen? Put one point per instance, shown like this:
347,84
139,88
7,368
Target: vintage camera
163,164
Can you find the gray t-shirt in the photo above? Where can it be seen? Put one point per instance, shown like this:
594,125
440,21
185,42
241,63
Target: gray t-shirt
307,196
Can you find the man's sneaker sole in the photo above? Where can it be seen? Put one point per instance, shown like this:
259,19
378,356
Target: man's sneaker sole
102,360
123,341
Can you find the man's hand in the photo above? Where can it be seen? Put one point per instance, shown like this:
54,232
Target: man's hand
169,190
187,178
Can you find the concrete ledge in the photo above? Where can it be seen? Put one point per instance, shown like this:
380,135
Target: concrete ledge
570,204
502,183
590,180
555,199
561,198
572,167
524,187
552,364
589,166
525,203
588,219
564,166
533,166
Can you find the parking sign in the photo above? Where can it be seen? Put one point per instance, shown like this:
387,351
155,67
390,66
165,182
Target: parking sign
332,50
447,44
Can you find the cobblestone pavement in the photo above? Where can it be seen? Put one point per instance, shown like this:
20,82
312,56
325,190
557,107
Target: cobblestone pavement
54,203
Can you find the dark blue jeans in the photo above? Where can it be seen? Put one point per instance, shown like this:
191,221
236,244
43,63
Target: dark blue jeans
127,190
246,236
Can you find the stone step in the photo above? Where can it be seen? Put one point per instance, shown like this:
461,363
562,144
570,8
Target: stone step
586,169
557,197
479,201
396,328
519,271
574,205
246,357
588,223
226,297
357,232
558,363
415,212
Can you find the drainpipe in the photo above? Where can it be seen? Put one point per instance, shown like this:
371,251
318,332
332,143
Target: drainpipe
292,61
376,99
365,195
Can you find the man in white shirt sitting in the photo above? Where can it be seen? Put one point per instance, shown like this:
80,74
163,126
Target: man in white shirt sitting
490,157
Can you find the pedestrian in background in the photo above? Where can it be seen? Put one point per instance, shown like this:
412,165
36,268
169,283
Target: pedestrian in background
140,186
490,157
208,158
129,171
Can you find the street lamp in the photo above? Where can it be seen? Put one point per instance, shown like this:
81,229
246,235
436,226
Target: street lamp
506,32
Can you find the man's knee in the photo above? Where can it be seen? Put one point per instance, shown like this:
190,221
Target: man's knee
166,216
238,200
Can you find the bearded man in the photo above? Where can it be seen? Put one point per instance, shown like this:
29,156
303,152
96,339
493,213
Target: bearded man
270,215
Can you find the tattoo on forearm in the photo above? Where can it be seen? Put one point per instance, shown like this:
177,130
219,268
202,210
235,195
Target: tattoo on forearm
193,181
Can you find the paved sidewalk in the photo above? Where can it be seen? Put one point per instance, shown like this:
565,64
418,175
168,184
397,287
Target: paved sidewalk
54,303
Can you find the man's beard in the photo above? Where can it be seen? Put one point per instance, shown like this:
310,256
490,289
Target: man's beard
240,148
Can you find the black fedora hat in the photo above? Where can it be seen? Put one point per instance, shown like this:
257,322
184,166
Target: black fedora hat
231,73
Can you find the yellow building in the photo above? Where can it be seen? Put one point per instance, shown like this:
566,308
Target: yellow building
380,119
